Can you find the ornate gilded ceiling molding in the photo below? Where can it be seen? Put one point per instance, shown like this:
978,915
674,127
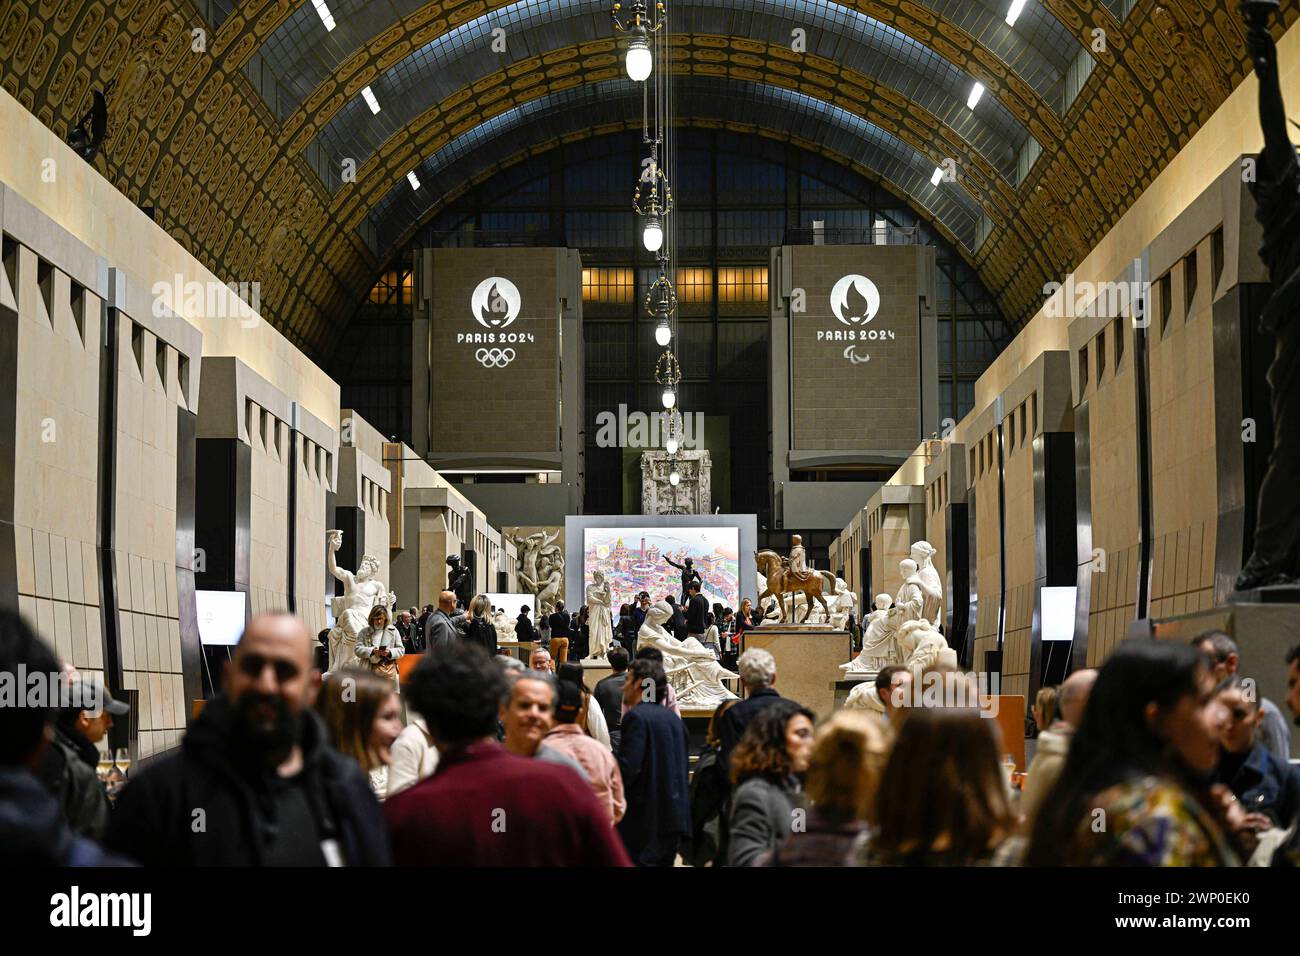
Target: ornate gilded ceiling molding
192,138
723,57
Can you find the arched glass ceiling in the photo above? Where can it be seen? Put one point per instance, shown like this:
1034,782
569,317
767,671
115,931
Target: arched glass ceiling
533,27
1040,48
581,107
302,54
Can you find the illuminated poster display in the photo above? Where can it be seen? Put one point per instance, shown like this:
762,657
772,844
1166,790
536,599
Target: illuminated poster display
495,351
633,559
855,348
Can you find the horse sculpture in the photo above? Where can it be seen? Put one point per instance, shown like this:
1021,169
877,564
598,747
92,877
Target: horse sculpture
779,583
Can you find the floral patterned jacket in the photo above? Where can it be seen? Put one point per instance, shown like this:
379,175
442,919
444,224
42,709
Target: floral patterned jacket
1151,821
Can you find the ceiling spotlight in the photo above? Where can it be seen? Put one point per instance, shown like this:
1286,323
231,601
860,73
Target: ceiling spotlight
413,179
938,175
669,398
369,97
674,478
653,235
663,335
976,92
323,11
638,60
1017,6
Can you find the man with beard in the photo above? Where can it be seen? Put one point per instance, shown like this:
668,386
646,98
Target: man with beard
255,782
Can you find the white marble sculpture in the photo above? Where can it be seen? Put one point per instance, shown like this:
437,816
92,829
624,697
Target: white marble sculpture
844,603
908,631
879,645
541,568
928,579
694,672
362,591
504,625
600,621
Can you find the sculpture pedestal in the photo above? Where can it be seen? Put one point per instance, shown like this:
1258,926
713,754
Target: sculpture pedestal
807,662
1264,634
595,671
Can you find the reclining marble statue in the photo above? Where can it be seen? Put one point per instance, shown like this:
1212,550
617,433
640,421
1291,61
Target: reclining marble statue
694,672
362,591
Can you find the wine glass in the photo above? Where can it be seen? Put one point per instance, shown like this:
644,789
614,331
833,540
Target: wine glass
122,760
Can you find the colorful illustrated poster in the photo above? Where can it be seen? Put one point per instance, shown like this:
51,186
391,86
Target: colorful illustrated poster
633,560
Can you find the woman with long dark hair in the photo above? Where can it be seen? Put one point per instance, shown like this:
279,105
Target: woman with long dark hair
765,771
942,800
1134,789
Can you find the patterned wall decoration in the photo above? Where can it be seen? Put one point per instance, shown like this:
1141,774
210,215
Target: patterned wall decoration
190,136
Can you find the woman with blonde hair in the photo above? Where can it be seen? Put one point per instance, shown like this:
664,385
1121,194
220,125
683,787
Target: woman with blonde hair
363,716
1045,707
379,645
848,758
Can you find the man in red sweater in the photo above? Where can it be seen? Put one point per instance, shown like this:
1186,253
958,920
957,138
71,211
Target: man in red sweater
485,806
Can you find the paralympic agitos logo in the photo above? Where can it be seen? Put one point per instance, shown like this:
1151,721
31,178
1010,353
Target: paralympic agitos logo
854,300
495,304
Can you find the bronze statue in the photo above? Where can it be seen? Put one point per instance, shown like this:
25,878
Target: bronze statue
689,574
1277,206
460,582
785,576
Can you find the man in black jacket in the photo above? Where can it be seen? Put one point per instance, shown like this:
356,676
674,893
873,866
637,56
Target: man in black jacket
758,674
33,832
560,622
255,782
653,759
677,623
524,630
609,693
697,612
73,758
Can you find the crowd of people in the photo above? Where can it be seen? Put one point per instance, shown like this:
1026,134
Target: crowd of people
1165,755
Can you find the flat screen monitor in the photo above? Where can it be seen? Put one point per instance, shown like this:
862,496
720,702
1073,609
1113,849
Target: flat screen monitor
220,615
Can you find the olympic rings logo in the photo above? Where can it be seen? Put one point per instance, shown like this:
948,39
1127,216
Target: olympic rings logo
495,358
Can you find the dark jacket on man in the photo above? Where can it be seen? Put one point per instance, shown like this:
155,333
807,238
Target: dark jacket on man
70,773
653,759
609,696
524,630
560,624
762,815
709,792
207,806
33,832
443,628
1262,783
485,806
627,632
677,623
697,614
740,716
